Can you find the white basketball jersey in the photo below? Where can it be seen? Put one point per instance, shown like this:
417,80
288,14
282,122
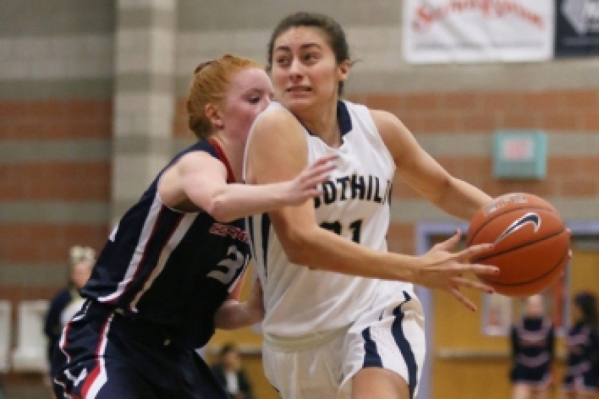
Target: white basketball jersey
354,204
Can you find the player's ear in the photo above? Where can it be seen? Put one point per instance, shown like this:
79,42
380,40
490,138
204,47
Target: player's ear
213,115
343,70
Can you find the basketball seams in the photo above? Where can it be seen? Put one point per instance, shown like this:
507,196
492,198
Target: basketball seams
524,244
528,207
521,283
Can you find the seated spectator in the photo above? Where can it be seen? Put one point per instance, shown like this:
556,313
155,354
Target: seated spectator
228,370
68,301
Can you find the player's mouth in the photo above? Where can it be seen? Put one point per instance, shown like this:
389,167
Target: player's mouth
298,89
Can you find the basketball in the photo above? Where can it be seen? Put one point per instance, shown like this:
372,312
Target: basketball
531,243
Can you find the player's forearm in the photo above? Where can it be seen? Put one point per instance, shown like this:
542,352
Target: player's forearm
321,249
462,199
240,200
233,314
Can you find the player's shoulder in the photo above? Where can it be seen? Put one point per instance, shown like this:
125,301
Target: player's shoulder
384,119
275,118
202,151
197,158
274,113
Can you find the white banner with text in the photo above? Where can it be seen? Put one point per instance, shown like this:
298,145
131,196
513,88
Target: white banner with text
445,31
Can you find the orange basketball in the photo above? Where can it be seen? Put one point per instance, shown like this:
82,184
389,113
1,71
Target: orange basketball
531,243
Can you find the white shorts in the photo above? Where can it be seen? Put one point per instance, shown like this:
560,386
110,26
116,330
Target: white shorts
390,335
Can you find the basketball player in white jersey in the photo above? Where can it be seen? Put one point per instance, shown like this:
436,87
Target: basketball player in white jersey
328,332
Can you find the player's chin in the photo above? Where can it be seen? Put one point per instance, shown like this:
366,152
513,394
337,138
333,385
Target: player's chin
297,102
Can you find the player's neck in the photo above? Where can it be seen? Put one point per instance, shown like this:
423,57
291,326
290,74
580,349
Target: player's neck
322,122
233,150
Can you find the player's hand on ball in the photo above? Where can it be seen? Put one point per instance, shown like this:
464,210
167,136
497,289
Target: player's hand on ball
445,270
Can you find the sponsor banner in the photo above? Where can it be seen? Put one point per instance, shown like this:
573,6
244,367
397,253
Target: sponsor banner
577,28
443,31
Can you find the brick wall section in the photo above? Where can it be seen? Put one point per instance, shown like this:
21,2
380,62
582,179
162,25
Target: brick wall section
478,113
54,120
42,243
69,181
52,181
557,110
180,128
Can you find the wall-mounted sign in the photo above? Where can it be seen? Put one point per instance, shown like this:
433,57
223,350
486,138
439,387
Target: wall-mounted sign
443,31
519,154
577,28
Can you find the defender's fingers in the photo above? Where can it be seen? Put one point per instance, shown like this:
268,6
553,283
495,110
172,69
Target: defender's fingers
312,192
318,172
326,159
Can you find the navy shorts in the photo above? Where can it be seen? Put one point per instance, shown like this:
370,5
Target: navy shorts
539,376
583,382
105,355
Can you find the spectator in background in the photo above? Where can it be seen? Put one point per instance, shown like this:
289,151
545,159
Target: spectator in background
68,301
229,372
582,366
533,343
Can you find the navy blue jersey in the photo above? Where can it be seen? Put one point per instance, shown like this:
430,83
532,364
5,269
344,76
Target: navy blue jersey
170,268
533,341
532,351
583,350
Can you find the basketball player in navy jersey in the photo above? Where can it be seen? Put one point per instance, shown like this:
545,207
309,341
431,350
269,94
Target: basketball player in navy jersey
168,274
533,343
333,327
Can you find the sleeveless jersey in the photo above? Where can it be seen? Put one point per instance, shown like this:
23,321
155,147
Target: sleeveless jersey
170,268
300,300
582,343
533,342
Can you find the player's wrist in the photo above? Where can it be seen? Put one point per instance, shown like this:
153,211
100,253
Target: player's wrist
410,268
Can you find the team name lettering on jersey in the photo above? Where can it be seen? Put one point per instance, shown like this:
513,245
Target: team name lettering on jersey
224,230
364,188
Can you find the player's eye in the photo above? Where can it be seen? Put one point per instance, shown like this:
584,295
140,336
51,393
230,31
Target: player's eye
282,60
310,57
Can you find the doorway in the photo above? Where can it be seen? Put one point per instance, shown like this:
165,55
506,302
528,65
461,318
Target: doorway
467,363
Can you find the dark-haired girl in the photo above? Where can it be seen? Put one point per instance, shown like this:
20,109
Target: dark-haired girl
342,317
582,366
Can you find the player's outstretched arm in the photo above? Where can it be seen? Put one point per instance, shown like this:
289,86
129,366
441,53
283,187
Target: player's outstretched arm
424,174
199,180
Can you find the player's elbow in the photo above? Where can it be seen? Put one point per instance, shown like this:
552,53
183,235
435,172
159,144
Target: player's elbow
297,246
218,208
297,256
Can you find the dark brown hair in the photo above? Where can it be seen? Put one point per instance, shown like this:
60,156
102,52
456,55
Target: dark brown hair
331,28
